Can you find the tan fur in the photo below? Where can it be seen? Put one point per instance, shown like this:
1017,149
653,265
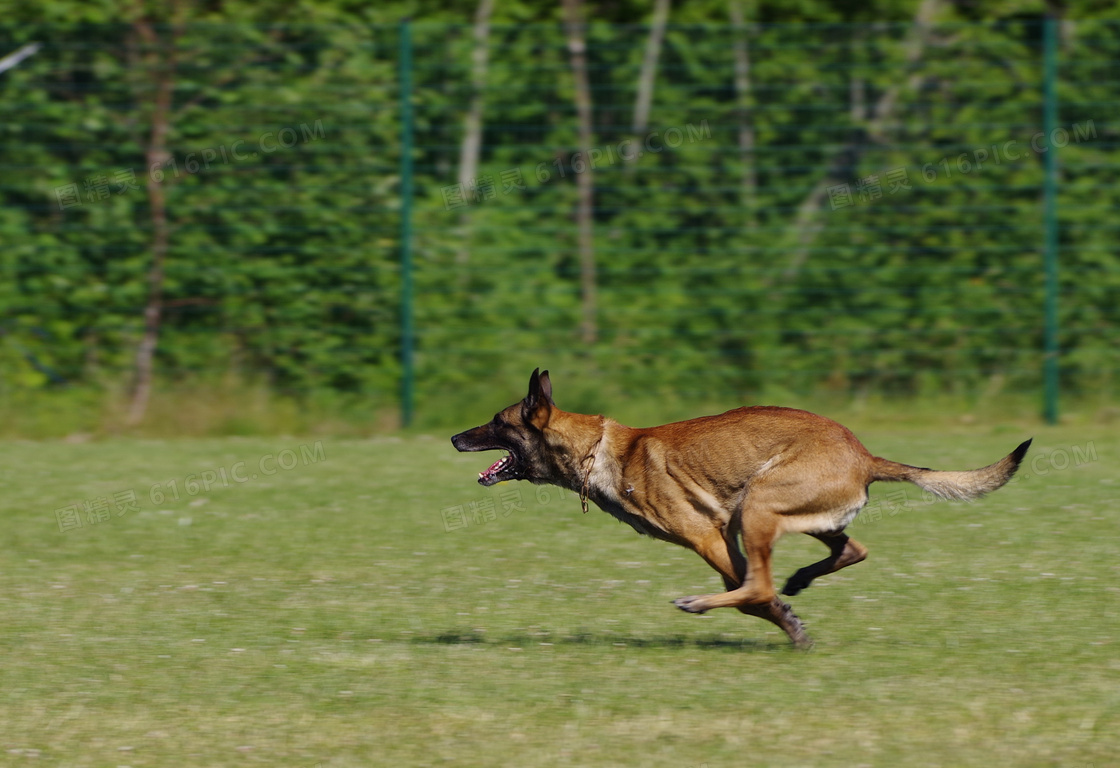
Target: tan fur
751,474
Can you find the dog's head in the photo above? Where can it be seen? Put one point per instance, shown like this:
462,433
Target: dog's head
518,430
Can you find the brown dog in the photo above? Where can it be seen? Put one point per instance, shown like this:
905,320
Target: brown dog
756,472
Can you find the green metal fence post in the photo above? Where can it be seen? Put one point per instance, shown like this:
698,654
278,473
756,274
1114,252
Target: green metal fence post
407,332
1050,217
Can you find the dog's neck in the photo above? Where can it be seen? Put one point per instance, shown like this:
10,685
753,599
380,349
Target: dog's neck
576,458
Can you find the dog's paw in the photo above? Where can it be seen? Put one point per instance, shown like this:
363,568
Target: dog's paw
692,604
793,626
794,586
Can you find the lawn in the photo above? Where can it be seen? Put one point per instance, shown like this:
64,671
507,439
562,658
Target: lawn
299,602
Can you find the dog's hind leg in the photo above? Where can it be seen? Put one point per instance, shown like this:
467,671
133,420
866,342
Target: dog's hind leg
843,551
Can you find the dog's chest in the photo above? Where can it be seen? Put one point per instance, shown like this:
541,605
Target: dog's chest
615,507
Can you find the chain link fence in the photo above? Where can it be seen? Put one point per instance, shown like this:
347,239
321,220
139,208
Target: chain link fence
411,214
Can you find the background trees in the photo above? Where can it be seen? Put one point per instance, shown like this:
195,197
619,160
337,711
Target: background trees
828,199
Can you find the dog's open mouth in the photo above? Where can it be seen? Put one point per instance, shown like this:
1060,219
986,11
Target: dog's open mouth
504,468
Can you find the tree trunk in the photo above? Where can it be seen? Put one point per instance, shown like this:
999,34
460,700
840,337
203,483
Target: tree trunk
577,47
159,62
472,129
649,65
749,183
13,59
806,224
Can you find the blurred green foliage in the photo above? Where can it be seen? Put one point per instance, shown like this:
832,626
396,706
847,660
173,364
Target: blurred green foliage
722,272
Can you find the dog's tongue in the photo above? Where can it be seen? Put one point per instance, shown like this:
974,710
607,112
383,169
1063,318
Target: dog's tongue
494,469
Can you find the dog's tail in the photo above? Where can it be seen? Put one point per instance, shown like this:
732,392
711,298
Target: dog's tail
962,486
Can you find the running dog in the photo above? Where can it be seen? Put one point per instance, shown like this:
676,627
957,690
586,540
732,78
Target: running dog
752,473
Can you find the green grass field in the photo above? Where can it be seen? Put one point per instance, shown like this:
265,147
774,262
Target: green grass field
303,603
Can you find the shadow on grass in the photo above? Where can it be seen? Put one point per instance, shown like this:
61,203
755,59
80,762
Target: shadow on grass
709,642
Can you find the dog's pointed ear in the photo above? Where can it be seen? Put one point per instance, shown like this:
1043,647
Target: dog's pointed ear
539,386
536,408
534,386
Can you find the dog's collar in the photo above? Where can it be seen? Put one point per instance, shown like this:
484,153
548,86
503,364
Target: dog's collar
586,489
589,460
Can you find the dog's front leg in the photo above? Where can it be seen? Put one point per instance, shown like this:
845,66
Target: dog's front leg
760,531
722,555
